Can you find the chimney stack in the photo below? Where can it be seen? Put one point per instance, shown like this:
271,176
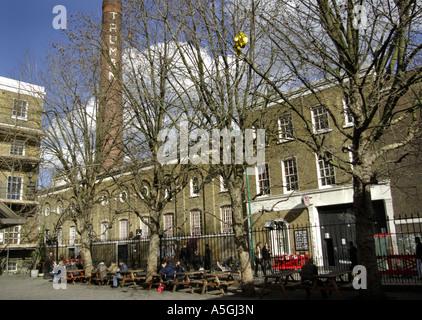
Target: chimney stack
110,115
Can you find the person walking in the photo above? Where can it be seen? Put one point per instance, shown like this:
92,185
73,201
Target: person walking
259,259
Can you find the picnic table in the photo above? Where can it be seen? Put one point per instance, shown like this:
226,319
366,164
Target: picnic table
73,275
187,278
335,280
133,276
219,280
282,280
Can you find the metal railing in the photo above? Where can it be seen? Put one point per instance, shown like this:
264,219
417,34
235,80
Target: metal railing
289,244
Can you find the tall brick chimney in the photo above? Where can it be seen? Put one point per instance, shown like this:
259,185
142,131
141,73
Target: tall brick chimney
110,113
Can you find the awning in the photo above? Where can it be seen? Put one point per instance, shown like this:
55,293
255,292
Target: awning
8,218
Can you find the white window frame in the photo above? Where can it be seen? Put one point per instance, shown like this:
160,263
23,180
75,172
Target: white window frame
321,178
21,114
47,210
104,231
317,119
226,219
168,224
223,187
17,147
286,177
72,235
14,193
15,231
59,236
348,119
195,222
285,129
123,229
59,209
261,177
144,227
192,187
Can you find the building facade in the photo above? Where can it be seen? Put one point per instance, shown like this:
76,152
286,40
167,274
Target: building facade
293,188
21,106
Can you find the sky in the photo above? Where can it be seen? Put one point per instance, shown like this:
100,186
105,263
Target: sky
27,26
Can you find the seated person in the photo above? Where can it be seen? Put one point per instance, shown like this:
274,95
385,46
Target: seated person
119,275
73,267
307,274
168,270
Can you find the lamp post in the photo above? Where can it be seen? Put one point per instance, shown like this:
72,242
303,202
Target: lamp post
160,235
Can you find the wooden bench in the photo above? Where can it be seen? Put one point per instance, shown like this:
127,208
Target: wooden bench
133,276
70,276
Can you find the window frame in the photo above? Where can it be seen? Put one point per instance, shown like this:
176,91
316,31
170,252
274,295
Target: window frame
287,183
18,114
316,119
321,177
260,189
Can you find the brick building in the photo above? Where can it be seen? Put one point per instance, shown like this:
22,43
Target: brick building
21,106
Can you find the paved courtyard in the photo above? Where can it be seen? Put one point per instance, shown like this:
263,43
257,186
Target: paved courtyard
26,288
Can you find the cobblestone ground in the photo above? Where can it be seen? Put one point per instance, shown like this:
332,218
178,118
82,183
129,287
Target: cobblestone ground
26,288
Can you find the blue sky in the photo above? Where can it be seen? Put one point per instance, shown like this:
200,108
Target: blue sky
27,25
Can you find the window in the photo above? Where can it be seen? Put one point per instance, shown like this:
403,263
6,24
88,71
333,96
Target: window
279,238
226,219
123,229
59,236
104,200
285,128
17,147
72,235
104,231
290,177
194,187
20,109
320,119
14,188
11,235
326,176
168,225
144,227
47,211
263,179
123,196
223,187
195,222
59,209
348,118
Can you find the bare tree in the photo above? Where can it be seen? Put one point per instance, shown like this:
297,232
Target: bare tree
370,51
224,95
72,149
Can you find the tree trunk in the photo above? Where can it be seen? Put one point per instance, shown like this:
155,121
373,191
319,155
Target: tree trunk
242,247
152,256
86,252
365,239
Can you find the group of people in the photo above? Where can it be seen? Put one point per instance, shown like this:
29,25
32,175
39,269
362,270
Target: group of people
263,258
196,260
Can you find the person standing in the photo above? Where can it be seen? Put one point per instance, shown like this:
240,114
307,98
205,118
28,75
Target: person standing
207,257
259,259
419,256
266,256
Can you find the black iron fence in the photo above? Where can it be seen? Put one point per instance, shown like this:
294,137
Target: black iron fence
289,245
